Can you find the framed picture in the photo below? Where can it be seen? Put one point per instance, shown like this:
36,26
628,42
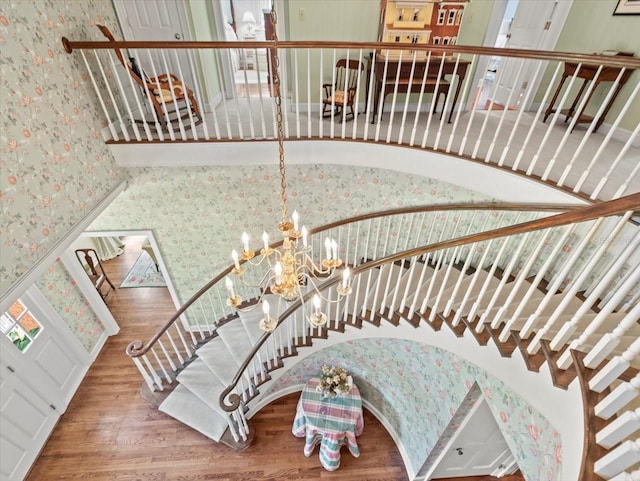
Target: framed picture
627,7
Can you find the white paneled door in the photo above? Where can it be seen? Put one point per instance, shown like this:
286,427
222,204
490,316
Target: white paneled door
42,364
26,421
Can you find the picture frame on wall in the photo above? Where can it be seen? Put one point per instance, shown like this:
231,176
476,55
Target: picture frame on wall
627,7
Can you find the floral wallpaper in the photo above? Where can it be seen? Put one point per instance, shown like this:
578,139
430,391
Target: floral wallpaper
61,291
54,165
419,388
197,214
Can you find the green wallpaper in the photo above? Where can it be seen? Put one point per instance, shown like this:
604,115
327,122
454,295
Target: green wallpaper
197,214
54,165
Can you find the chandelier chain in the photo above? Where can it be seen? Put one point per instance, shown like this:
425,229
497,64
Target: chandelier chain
279,121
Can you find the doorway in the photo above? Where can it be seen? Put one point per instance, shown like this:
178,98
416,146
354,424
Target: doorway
248,21
478,449
520,24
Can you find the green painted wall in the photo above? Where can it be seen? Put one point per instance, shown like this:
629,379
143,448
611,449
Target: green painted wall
203,28
592,27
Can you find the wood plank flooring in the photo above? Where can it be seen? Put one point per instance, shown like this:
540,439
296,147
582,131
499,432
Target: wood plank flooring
109,433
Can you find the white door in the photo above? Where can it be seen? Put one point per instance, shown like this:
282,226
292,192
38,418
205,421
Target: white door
157,20
50,357
25,422
479,449
41,366
536,25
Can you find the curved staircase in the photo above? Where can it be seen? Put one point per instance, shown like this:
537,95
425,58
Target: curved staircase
560,290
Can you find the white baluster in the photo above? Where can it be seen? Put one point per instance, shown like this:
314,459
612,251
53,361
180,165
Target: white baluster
356,97
614,165
635,476
345,89
447,102
420,97
162,368
521,109
406,99
610,341
576,285
465,96
572,124
534,122
145,375
152,372
554,119
630,283
333,94
394,97
433,98
492,145
592,126
553,288
112,129
614,368
623,426
321,94
533,288
198,95
515,286
623,457
618,398
605,142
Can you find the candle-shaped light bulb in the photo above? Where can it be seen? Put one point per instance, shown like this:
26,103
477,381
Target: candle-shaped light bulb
265,239
277,270
317,303
229,285
305,236
245,241
234,256
327,247
334,249
345,278
265,309
294,218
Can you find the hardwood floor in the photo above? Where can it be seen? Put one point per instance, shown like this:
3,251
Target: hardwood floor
108,432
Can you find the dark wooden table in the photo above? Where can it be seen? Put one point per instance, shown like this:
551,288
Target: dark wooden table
587,73
405,82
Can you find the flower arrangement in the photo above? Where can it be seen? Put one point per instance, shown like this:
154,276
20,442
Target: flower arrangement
333,381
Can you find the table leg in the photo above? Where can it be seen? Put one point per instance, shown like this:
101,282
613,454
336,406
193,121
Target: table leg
572,109
549,110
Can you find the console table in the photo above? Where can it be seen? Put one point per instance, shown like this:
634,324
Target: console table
587,73
330,422
413,84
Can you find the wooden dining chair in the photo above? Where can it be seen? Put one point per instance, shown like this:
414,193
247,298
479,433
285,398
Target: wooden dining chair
90,261
342,94
161,91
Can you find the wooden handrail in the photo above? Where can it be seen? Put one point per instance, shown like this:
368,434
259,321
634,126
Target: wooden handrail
605,209
138,348
606,60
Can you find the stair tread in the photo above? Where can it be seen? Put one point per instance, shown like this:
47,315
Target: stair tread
216,356
201,381
189,409
251,319
236,339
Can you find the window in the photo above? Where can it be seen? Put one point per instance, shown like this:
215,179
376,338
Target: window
441,14
454,40
416,15
459,16
19,326
415,39
397,38
445,41
436,40
400,15
452,17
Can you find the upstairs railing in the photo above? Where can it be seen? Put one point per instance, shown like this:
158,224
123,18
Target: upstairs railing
475,267
564,118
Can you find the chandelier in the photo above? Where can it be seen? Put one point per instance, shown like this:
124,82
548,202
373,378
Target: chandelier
291,272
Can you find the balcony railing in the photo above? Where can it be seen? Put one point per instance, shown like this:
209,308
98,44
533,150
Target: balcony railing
567,119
